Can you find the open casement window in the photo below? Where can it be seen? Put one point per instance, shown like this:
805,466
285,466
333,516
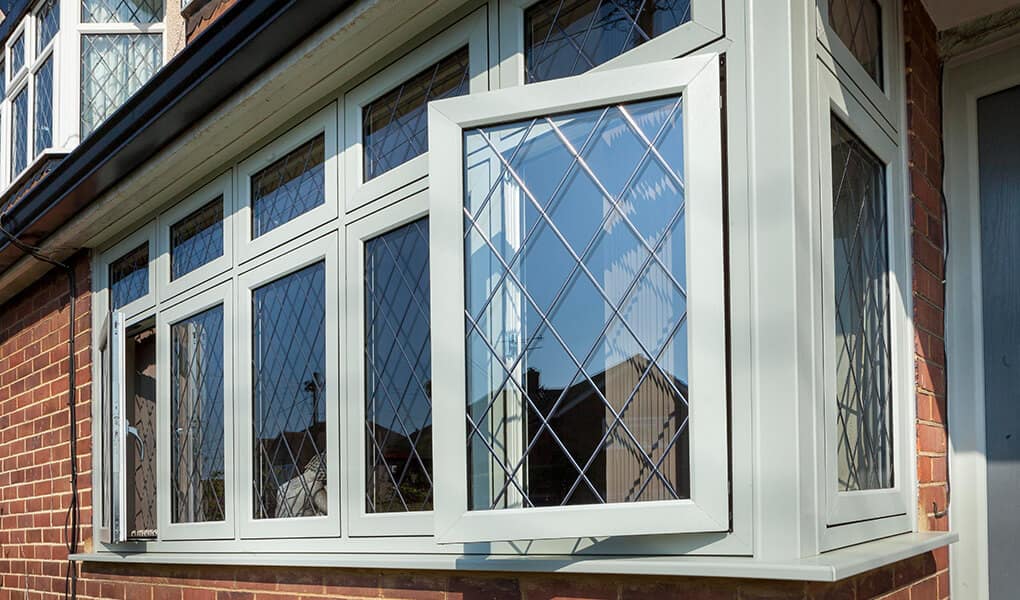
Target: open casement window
389,371
129,412
288,394
386,117
549,39
579,384
289,187
864,270
196,463
860,36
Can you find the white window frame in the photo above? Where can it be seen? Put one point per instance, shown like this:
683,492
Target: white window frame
324,249
471,31
220,186
855,516
325,122
706,25
50,50
222,296
885,99
14,77
707,510
71,103
144,235
360,522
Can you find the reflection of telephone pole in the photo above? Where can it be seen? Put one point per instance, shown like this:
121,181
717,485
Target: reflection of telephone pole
314,386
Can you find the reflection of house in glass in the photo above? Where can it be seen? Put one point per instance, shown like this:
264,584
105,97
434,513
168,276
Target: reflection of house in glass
293,464
641,458
403,480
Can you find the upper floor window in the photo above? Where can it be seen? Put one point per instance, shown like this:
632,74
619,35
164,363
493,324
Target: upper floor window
121,11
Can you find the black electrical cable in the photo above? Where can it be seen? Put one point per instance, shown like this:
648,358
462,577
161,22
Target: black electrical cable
938,514
72,520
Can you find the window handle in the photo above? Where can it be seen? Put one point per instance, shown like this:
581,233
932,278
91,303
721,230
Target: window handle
133,431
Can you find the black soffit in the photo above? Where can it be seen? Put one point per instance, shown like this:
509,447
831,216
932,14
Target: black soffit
242,43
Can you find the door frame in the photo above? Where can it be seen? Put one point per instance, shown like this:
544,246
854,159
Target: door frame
966,81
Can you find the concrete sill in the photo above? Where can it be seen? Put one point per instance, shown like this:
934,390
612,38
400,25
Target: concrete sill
830,566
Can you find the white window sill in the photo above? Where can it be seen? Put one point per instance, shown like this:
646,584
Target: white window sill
830,566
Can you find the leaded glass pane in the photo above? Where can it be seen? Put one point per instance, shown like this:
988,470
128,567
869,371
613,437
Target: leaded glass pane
113,67
398,371
858,23
49,24
17,54
19,133
289,187
196,418
289,402
121,11
197,239
3,81
395,127
44,106
576,308
569,37
861,269
129,277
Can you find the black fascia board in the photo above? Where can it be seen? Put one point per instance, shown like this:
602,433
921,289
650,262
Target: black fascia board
242,43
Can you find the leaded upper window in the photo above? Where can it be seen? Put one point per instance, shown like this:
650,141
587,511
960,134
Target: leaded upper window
48,24
113,67
121,11
395,127
861,267
129,277
858,23
17,54
19,132
197,239
43,125
291,186
568,37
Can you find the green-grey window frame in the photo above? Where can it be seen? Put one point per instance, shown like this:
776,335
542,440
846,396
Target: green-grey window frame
697,79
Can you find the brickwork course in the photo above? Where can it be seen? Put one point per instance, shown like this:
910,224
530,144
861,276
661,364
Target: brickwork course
35,469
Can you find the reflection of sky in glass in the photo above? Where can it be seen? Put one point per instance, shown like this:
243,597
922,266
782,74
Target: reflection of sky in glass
290,351
568,37
289,187
597,257
196,239
196,402
129,277
398,365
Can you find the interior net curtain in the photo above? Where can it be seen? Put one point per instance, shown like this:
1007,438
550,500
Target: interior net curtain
114,66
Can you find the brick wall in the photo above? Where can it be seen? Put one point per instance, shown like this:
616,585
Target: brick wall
34,487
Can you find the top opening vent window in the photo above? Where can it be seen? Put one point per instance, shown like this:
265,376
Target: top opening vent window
858,23
569,37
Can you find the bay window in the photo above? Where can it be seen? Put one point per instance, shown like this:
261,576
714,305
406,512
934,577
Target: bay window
501,295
